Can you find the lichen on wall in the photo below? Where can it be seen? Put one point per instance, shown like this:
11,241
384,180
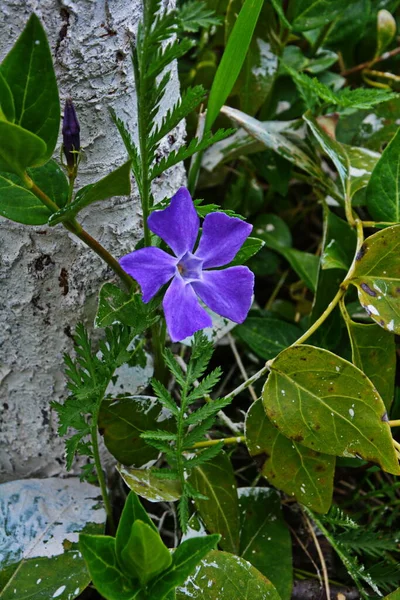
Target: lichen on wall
48,279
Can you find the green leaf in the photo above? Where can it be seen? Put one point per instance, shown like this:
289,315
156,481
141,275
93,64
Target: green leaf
374,353
116,183
150,485
362,163
19,149
232,58
7,108
231,577
325,403
101,559
251,246
394,595
195,14
264,537
310,14
28,70
273,140
20,205
305,474
383,193
377,277
121,422
50,178
341,243
305,264
267,336
121,307
40,556
220,513
145,555
184,560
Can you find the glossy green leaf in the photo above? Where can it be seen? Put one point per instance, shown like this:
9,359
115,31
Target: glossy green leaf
394,595
222,576
101,559
374,353
325,403
300,472
117,306
184,561
362,163
19,149
20,205
232,58
274,141
271,227
50,178
145,555
385,31
121,421
220,513
383,191
28,70
264,537
7,108
267,336
341,243
251,246
310,14
145,483
117,183
377,277
40,556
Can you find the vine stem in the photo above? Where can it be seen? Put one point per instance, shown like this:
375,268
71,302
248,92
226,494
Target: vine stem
249,382
370,63
101,478
395,423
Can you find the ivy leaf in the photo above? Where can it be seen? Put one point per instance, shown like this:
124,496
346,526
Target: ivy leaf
220,513
383,193
300,472
377,277
117,183
325,403
28,70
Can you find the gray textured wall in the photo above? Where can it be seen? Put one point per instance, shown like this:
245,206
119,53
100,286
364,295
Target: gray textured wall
48,279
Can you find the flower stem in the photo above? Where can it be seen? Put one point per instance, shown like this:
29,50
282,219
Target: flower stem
101,478
395,423
249,381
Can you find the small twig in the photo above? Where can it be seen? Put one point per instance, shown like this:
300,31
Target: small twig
395,423
320,555
369,63
241,366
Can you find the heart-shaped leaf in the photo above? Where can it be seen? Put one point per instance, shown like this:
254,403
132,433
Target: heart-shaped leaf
300,472
325,403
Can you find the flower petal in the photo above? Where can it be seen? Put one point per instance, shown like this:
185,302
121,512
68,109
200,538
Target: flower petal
178,224
221,239
151,267
227,292
183,313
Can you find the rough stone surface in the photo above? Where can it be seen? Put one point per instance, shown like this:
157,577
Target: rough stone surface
48,279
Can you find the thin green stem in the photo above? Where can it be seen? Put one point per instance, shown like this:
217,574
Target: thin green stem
395,423
249,381
377,224
101,478
230,440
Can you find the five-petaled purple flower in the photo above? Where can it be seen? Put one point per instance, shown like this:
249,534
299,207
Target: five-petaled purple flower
194,275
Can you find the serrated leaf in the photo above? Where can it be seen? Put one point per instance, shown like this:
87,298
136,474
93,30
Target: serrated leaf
195,15
251,246
190,99
298,471
28,70
310,14
329,407
267,336
377,277
116,183
220,513
383,193
149,486
232,578
40,556
122,421
210,408
264,537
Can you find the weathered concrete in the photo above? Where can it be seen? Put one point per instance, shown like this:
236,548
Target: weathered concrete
48,279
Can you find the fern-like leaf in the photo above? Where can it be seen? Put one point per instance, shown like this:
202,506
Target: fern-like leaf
195,15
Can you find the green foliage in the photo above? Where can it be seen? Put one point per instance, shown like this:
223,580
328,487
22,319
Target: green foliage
136,563
195,15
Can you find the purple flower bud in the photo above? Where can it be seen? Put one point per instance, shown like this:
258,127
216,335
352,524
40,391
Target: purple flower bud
70,131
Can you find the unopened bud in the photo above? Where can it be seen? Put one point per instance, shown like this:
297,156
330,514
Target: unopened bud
386,30
70,131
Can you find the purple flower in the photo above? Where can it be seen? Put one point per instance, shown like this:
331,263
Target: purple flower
227,292
70,131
